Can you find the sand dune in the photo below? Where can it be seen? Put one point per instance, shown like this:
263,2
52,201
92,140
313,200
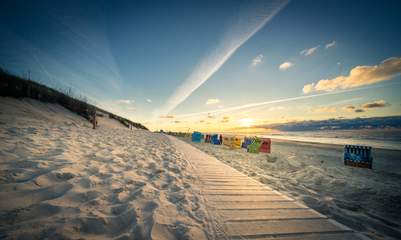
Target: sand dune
61,179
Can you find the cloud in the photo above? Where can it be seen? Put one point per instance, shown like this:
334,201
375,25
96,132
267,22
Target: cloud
324,109
276,108
212,101
177,121
286,65
149,100
359,76
126,101
349,108
246,26
309,51
375,104
308,88
331,44
166,116
225,120
283,100
257,60
209,115
366,106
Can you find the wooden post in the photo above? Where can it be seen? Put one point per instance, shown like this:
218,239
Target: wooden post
94,120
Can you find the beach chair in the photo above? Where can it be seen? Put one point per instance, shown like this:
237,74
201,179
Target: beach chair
197,137
227,141
254,146
236,142
247,141
265,145
215,139
358,156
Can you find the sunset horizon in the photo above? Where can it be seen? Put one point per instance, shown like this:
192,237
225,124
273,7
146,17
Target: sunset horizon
200,119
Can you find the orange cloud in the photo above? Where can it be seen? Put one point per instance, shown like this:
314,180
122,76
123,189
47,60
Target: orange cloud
349,108
225,120
359,76
325,110
167,116
375,104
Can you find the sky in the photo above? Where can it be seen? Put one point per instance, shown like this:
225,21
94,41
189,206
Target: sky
212,65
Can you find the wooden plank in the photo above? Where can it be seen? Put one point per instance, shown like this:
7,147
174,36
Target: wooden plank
224,177
310,236
268,214
255,205
274,228
261,192
241,198
230,184
237,188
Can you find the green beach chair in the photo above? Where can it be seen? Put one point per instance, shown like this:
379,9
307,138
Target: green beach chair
254,146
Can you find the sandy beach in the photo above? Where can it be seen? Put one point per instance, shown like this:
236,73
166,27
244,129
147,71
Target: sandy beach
60,179
365,200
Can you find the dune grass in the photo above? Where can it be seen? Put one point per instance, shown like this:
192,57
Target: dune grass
18,87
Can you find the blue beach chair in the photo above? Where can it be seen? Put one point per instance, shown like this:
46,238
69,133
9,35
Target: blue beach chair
197,137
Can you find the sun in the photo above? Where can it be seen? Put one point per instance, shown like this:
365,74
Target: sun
246,122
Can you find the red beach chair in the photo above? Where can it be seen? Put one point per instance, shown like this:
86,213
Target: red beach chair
266,145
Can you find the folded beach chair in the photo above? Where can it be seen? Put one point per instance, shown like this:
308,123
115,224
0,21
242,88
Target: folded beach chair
247,141
236,142
227,141
197,137
358,156
254,146
215,139
265,145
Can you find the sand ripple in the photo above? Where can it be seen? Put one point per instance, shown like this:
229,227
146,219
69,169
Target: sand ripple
61,179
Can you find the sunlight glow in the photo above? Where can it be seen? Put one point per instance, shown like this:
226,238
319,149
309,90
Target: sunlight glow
246,122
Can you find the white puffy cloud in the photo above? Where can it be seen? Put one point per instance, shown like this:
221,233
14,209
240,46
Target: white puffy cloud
126,101
286,65
309,51
212,101
308,88
148,100
359,76
257,60
330,44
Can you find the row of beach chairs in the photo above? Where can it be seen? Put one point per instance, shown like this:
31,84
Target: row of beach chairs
354,155
252,144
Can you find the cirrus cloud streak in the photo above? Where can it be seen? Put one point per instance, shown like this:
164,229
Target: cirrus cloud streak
247,26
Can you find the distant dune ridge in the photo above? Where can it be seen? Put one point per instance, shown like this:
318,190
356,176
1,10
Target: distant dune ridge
17,87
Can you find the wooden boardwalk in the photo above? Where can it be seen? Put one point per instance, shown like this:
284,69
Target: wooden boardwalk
243,208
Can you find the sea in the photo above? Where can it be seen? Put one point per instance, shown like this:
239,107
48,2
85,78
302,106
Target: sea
376,138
